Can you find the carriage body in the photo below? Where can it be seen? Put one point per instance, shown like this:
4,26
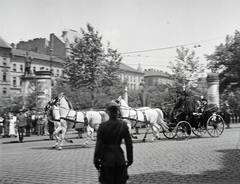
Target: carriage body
200,124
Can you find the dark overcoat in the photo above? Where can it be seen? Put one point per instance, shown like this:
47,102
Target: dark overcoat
109,138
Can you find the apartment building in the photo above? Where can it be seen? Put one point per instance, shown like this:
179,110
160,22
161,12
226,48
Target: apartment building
46,56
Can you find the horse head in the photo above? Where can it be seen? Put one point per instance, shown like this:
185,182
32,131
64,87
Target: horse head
64,101
121,102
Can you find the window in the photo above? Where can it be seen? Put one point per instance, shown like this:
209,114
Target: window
14,67
21,68
14,81
34,69
4,76
4,63
4,91
57,72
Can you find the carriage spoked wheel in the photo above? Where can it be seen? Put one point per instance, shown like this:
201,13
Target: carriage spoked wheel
183,130
170,133
215,125
200,131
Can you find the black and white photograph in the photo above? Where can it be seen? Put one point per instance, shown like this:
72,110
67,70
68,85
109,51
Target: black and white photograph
119,91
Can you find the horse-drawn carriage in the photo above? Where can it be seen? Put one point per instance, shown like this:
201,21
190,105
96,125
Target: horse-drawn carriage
197,123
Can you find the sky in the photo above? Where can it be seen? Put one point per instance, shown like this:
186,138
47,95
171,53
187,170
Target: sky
146,32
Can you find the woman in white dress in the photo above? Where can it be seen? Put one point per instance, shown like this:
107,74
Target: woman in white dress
12,124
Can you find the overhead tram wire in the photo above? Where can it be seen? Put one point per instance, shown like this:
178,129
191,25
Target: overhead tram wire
171,47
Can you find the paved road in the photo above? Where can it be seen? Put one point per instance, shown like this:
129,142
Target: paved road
197,160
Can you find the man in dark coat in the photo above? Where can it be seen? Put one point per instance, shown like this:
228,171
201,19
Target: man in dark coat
109,157
227,114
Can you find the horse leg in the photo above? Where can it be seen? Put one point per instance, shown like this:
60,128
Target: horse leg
61,140
129,124
147,129
89,134
55,134
155,132
92,132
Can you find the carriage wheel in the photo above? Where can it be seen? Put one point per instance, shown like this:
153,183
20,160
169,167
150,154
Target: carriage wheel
200,131
215,125
170,133
184,130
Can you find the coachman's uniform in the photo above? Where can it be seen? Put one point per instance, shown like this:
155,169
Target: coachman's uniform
109,156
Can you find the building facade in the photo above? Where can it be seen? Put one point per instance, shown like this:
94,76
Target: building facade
153,77
12,63
5,67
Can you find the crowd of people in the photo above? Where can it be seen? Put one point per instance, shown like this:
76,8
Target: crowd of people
24,123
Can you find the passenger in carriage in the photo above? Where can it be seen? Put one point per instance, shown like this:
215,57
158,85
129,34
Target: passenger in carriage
203,111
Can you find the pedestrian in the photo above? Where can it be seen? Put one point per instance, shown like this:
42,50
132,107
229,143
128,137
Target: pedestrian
40,124
45,124
227,114
21,124
28,127
109,157
33,122
12,125
50,120
6,125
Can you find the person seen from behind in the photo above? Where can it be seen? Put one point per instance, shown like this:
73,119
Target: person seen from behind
109,157
40,123
21,124
227,114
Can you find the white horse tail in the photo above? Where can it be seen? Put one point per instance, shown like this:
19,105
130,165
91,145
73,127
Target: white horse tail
160,119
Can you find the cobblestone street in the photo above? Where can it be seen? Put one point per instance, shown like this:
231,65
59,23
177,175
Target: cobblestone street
197,160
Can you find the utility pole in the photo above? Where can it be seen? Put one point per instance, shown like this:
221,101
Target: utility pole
51,59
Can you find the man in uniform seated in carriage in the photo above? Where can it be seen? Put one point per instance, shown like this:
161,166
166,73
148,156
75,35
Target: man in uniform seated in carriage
204,112
182,109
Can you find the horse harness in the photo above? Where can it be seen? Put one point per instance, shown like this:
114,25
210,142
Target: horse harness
135,117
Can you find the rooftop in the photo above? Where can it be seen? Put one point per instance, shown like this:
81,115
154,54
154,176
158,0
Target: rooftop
155,73
4,44
128,68
22,53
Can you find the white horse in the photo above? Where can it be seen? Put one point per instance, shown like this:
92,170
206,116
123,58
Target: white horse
60,128
91,118
153,118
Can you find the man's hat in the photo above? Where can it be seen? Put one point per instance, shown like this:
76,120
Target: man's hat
204,99
112,107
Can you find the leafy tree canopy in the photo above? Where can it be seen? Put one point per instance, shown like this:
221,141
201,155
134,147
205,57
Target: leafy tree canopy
226,61
89,66
186,68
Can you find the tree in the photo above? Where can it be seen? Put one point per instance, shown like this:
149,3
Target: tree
11,104
187,68
226,61
89,67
